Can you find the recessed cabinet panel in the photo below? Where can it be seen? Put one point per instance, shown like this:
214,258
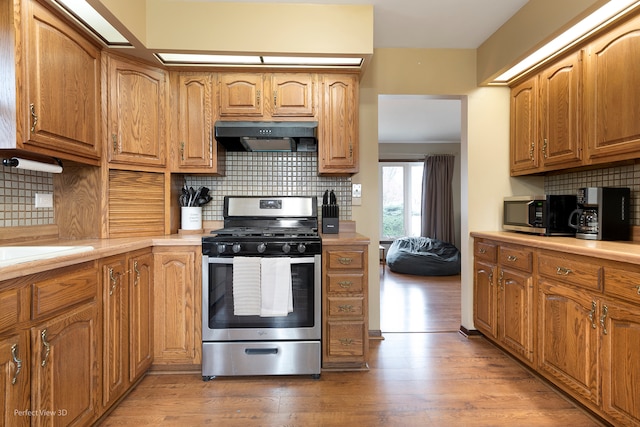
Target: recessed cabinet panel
524,127
241,95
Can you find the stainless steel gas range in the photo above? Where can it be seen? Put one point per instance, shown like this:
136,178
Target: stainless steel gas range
261,288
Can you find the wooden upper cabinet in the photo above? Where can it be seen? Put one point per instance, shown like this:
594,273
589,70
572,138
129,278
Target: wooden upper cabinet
241,94
293,95
194,149
137,103
54,103
524,153
560,112
338,133
612,94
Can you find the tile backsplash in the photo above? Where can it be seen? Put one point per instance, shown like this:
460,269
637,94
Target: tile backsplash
271,174
619,176
18,188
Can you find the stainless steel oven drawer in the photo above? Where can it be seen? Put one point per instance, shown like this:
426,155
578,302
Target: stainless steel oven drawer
261,358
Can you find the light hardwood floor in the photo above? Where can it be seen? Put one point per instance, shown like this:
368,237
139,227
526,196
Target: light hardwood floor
432,379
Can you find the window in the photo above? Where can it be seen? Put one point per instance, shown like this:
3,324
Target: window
401,186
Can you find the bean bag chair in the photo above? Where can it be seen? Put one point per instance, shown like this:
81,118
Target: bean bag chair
423,256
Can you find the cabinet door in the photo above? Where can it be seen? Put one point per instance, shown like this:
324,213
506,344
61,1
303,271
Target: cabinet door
115,338
195,122
293,95
515,316
177,301
612,91
63,99
525,156
620,328
14,380
65,368
338,144
485,303
568,337
560,113
140,315
137,105
241,94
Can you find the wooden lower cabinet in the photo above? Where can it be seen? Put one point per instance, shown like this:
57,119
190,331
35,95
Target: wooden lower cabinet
177,312
64,369
345,335
127,282
14,379
586,326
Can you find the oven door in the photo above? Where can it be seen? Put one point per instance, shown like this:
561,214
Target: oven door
220,324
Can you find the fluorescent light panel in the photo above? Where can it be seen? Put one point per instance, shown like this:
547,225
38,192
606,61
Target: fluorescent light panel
572,35
205,59
89,17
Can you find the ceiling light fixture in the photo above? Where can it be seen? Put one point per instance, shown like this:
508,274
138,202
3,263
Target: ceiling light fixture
89,18
213,60
573,35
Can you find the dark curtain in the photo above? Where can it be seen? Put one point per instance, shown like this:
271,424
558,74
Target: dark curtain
437,198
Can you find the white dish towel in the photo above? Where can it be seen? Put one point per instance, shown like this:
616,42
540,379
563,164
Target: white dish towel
246,286
275,283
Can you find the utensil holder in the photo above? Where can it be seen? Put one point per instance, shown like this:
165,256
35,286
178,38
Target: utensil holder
191,217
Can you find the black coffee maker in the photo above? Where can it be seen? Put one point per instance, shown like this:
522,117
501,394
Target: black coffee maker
602,213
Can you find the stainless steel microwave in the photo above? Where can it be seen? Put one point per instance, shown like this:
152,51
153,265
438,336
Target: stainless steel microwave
544,215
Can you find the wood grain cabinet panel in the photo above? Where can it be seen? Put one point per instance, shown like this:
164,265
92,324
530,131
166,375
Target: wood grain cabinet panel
74,286
524,150
194,148
14,379
612,90
293,95
345,335
485,297
65,367
338,145
136,113
241,94
51,106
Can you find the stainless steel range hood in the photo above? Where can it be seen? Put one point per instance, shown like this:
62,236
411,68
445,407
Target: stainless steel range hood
267,136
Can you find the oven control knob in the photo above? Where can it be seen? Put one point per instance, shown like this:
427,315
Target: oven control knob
262,247
221,248
286,248
302,248
236,248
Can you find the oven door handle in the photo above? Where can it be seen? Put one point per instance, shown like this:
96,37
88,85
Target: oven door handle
260,351
297,260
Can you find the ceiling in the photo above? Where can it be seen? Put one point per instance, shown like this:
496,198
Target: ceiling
436,24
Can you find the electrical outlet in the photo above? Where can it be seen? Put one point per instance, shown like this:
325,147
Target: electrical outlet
44,200
356,190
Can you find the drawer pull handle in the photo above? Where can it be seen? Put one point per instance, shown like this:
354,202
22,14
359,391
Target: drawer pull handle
346,284
34,117
137,271
345,260
47,348
638,290
563,271
346,341
603,318
592,315
17,361
512,258
482,251
346,308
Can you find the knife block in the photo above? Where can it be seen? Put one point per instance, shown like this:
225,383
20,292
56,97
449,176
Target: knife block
330,219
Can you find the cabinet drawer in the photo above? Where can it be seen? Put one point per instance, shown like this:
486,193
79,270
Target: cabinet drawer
64,290
345,307
13,308
345,259
519,258
345,283
622,283
579,271
346,339
485,250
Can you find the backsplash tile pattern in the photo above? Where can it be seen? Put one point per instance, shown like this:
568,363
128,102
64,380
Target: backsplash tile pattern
619,176
271,174
18,188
